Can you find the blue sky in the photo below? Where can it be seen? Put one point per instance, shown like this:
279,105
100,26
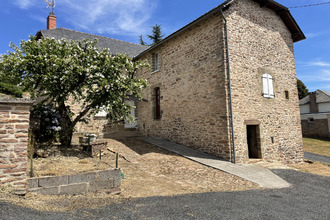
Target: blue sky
127,19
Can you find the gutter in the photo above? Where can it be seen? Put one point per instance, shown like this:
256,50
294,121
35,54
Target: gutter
229,80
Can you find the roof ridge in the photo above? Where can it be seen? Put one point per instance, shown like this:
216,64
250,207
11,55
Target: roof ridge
102,37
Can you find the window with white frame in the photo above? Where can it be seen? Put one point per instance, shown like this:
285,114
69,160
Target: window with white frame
267,86
155,62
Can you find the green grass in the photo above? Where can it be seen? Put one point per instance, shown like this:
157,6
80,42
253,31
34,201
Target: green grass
317,146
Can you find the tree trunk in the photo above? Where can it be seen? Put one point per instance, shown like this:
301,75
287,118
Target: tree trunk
66,127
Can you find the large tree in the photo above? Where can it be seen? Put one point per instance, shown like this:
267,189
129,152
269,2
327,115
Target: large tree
302,89
156,36
59,70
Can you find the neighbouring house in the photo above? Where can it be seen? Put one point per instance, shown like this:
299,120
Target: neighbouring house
224,84
315,114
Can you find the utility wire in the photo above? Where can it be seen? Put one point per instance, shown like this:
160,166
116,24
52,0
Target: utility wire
304,6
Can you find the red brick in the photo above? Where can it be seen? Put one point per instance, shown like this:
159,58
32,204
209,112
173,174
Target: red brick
3,136
20,113
9,141
2,176
9,126
15,170
20,149
12,155
22,126
23,154
8,166
20,183
21,136
3,131
11,131
16,120
12,180
22,159
3,162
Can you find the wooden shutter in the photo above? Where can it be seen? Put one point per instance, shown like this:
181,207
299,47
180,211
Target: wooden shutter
157,103
270,87
265,88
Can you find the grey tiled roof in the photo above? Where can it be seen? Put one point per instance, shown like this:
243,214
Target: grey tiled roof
321,97
115,46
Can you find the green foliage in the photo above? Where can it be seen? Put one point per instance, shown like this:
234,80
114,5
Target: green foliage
156,36
47,123
56,70
302,89
141,40
10,89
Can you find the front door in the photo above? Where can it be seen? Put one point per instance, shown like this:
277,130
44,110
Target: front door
128,123
253,141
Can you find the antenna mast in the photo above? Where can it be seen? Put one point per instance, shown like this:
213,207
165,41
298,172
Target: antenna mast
51,5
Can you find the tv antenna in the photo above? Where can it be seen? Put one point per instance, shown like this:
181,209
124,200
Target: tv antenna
51,5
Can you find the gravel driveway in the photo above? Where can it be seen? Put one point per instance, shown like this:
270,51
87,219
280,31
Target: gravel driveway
309,198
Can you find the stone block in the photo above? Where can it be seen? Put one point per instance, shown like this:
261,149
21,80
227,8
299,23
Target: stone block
74,189
117,182
86,177
101,185
45,190
32,183
52,181
109,174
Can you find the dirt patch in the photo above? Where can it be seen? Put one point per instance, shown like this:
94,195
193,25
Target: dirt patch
318,168
148,171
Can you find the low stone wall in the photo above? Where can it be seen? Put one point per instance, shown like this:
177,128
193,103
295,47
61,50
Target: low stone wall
319,128
14,126
106,180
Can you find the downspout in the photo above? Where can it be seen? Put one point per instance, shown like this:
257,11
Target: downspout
229,81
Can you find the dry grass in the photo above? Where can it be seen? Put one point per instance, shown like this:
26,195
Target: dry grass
317,146
313,167
149,171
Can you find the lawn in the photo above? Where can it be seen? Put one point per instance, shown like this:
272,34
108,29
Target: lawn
317,146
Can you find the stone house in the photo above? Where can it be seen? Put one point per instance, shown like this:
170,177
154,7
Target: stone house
315,114
224,84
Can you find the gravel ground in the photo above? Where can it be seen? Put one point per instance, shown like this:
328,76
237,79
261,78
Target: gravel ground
308,198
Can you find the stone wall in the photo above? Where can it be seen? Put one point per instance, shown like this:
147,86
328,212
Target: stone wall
318,128
105,180
260,43
192,90
14,125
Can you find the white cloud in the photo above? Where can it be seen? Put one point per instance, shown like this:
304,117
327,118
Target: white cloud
128,17
108,16
319,63
24,4
316,76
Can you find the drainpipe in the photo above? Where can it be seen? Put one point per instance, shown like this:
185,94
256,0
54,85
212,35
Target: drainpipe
229,81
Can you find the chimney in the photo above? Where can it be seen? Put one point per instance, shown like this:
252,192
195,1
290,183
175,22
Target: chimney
51,21
313,106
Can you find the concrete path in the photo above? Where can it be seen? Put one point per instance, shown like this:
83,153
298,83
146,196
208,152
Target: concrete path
254,173
317,157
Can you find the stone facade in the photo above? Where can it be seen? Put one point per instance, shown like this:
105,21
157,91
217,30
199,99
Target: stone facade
194,94
14,125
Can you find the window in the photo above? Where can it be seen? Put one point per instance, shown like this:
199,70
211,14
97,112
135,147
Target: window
267,86
286,94
155,62
157,103
310,120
